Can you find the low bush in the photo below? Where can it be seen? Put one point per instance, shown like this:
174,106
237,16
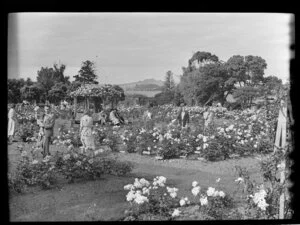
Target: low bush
71,165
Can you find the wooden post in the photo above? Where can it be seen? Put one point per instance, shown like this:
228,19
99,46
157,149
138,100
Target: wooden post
75,106
280,142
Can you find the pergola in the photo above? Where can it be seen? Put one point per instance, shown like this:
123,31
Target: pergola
101,93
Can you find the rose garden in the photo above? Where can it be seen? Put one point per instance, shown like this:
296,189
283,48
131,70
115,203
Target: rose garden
152,169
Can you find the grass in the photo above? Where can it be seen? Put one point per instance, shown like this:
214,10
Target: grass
104,199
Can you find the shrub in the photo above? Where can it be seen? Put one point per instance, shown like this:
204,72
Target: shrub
70,165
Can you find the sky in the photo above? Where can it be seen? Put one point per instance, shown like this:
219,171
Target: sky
129,47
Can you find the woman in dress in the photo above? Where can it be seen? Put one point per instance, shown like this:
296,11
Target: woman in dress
113,117
12,123
86,131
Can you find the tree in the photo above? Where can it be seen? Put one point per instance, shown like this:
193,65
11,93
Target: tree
58,75
211,81
213,85
272,84
14,86
46,80
178,97
58,92
237,70
117,98
246,94
169,83
189,84
255,66
32,92
86,74
203,58
48,77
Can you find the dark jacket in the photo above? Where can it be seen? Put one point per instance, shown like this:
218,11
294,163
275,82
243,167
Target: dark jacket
185,120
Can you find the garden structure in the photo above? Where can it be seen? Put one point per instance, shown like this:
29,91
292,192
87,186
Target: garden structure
95,97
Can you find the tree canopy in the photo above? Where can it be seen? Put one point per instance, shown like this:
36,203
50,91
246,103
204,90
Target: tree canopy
86,74
214,79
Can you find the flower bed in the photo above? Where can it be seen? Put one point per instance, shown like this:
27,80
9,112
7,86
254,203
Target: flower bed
233,134
70,165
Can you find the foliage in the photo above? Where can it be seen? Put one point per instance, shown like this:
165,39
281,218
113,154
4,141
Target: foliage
70,165
147,199
209,79
26,131
14,86
86,74
245,95
58,92
169,83
48,77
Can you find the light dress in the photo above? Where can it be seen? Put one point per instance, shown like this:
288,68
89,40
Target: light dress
87,137
12,122
113,118
208,117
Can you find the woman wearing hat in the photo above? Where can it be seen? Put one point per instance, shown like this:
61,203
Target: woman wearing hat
12,123
86,130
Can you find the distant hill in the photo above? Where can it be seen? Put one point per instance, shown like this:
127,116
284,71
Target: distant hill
145,85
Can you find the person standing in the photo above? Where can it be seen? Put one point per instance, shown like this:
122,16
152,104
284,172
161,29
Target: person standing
47,124
12,123
208,116
102,117
39,116
183,116
119,117
86,131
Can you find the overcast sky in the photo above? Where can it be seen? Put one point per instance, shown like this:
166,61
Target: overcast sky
129,47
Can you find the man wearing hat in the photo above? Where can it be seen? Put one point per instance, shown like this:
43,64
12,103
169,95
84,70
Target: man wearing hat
183,116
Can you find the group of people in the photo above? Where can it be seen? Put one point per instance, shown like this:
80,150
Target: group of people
208,113
46,119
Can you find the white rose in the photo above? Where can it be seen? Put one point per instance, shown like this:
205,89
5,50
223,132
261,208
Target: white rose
182,202
195,183
203,200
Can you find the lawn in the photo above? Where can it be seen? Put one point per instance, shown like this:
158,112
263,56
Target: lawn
104,199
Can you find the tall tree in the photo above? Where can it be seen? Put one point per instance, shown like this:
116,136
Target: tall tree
255,67
169,83
58,75
46,79
86,74
203,58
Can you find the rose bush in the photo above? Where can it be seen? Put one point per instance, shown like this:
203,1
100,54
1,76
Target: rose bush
155,199
70,165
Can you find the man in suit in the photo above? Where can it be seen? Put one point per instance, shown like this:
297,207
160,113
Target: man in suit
183,116
47,124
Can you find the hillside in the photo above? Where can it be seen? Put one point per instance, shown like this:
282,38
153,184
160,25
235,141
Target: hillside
145,85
